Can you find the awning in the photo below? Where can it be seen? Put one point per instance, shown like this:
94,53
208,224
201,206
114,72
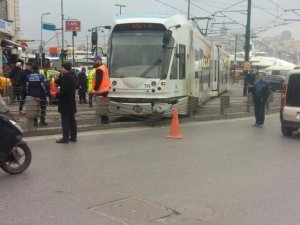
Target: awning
10,44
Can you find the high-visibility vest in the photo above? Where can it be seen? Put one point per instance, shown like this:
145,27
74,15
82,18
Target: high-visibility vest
46,75
91,79
105,84
53,87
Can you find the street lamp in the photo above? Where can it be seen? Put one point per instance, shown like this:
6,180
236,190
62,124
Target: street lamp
42,47
94,36
121,6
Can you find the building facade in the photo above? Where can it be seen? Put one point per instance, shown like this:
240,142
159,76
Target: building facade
9,34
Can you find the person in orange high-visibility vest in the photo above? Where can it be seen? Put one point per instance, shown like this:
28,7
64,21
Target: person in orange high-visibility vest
101,83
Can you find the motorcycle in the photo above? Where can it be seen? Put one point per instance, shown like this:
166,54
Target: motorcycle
15,154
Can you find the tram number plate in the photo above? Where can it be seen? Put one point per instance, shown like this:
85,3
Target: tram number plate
137,109
147,85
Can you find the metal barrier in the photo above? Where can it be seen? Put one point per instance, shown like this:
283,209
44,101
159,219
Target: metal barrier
101,106
224,103
228,104
32,111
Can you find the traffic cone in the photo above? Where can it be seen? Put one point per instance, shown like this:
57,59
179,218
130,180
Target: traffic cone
174,131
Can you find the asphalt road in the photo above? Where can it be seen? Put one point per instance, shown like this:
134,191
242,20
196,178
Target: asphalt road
219,173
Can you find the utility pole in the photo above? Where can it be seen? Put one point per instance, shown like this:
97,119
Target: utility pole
121,6
235,49
247,50
87,48
62,30
247,44
189,9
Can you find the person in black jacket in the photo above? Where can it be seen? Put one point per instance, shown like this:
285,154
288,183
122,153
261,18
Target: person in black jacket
82,86
67,103
15,77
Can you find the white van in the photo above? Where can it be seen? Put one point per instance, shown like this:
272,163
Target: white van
290,104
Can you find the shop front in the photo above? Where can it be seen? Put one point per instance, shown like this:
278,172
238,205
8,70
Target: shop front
9,49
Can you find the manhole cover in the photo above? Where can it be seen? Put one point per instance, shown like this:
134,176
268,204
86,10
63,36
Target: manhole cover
133,211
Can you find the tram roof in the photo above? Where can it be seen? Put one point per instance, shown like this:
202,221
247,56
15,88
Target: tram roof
166,19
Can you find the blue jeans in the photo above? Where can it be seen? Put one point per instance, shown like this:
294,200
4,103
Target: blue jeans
259,110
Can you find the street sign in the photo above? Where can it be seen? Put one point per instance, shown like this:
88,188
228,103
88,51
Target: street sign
49,26
246,65
73,25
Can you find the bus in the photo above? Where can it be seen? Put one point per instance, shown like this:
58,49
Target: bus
158,62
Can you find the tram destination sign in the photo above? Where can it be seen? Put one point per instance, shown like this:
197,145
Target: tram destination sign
140,26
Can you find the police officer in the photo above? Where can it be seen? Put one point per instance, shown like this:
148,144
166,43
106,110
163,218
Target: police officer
36,88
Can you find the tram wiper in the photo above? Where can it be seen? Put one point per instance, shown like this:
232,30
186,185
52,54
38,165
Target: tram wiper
156,63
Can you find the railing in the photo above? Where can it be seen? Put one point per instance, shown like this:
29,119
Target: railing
225,105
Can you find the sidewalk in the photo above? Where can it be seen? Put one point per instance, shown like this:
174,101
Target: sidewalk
87,119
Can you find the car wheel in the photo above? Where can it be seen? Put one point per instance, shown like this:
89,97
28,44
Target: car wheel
287,131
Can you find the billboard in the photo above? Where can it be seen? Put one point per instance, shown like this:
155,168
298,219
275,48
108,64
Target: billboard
72,25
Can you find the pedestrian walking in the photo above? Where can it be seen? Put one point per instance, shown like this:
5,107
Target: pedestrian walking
101,83
67,104
82,86
261,92
24,75
15,77
36,88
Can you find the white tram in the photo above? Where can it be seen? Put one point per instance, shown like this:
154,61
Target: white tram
156,62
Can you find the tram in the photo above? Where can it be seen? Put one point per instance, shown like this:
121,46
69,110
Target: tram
158,62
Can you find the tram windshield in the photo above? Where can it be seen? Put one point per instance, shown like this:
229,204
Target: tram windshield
139,54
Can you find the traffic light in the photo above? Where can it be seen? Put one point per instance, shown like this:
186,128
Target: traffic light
63,54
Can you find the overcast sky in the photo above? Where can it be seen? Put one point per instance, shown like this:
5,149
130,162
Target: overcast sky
101,12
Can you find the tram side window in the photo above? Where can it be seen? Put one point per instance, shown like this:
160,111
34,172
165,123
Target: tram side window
173,74
181,61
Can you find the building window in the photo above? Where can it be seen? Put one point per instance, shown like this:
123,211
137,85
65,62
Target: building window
3,9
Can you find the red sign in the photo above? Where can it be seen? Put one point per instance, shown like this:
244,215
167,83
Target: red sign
72,25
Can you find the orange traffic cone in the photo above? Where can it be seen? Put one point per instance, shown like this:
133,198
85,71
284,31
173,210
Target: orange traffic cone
174,131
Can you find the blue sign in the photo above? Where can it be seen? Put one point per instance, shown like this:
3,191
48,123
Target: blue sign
49,26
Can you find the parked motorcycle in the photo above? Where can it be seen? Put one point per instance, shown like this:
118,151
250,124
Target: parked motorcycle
15,154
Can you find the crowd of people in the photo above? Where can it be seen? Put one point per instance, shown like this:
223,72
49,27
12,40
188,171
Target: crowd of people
59,88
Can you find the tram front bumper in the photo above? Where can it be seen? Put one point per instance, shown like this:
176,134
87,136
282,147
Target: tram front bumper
139,109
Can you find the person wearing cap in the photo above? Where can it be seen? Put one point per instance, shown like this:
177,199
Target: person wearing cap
67,104
101,83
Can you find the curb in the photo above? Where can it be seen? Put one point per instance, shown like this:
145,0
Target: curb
166,121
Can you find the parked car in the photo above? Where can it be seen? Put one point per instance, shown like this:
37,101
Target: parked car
276,82
290,104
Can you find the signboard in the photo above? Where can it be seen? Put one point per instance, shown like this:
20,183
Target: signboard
6,27
246,66
49,26
72,25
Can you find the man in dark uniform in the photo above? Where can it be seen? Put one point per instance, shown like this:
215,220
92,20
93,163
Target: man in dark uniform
82,86
67,104
261,92
36,88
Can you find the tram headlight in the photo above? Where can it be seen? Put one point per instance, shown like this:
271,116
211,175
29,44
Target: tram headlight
114,83
153,83
163,83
